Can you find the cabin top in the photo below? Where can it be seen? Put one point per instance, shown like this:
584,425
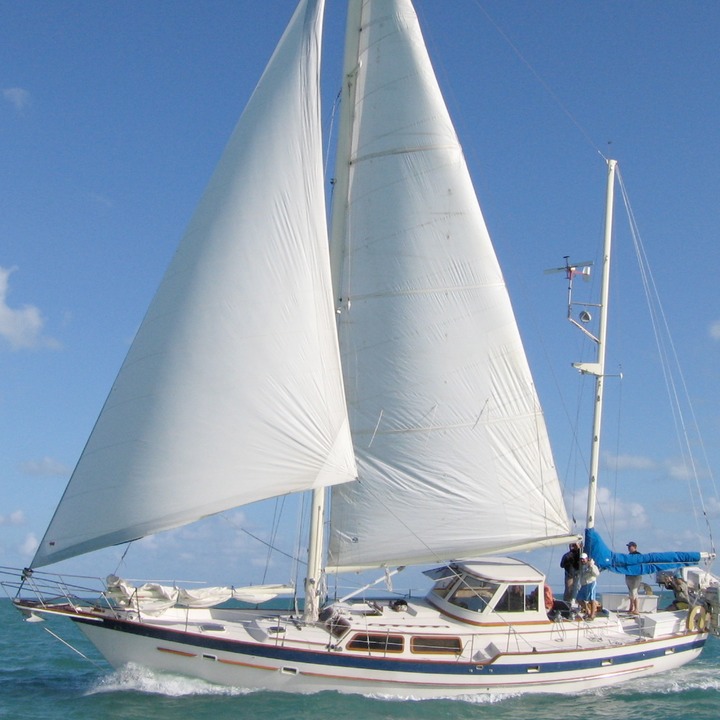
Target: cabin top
500,569
486,590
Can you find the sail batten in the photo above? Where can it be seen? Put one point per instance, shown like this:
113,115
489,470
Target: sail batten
231,391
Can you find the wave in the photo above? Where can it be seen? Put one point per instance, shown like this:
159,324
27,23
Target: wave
139,679
695,676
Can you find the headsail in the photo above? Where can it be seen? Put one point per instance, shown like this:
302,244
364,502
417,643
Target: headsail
231,391
450,440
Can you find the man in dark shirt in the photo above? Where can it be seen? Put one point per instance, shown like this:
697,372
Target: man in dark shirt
570,563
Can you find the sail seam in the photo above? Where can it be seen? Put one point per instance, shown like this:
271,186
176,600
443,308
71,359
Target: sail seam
423,291
401,151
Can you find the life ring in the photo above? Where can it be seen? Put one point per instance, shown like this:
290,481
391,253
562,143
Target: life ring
696,619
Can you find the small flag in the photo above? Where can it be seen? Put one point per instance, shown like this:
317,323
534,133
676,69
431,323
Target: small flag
583,272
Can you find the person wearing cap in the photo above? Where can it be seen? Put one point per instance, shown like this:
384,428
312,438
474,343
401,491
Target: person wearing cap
633,582
588,581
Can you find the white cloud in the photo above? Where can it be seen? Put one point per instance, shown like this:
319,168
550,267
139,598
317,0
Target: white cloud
627,515
620,514
629,462
715,330
19,98
712,506
17,517
100,199
22,327
675,469
29,545
149,543
46,466
679,470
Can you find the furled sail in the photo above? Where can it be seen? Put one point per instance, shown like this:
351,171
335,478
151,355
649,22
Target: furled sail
231,391
451,444
636,563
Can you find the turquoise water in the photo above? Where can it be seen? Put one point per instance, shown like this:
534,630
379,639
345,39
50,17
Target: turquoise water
42,679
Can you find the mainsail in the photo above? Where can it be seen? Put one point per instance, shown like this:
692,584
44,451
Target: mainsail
451,444
231,391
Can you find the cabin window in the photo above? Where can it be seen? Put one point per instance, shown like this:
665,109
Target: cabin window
444,586
376,642
473,593
518,598
436,644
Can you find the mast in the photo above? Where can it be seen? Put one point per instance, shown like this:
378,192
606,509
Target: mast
338,235
341,181
598,368
315,552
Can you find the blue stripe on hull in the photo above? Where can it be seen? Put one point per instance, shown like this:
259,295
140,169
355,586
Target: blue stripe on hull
336,659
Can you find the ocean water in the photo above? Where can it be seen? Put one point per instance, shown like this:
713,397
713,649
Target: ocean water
42,679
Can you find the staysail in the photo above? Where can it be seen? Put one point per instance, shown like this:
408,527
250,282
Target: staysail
451,444
231,391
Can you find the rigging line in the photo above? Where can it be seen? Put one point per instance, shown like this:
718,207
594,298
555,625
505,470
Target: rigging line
609,522
585,387
274,528
541,80
575,454
259,539
659,318
74,649
122,557
328,145
670,384
539,422
616,475
303,532
650,293
377,425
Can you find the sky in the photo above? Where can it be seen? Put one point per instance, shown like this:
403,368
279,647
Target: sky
113,114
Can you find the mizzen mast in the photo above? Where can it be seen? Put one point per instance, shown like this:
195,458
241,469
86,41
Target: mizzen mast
597,368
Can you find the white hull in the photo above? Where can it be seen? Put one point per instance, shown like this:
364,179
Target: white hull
566,656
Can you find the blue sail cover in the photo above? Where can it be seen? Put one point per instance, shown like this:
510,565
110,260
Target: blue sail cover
635,564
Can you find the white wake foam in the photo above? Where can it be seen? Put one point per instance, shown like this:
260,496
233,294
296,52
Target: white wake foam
135,678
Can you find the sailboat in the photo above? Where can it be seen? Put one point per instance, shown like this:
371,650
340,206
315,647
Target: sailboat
373,361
